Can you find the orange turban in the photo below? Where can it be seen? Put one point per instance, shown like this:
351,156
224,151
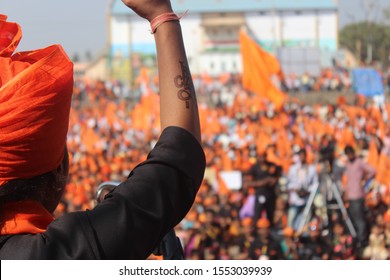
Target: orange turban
35,96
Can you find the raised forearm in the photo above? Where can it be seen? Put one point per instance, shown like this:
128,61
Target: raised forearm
178,99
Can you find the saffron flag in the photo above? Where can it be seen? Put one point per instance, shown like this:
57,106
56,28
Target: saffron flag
258,69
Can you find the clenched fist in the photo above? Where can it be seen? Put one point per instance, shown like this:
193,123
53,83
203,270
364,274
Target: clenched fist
149,9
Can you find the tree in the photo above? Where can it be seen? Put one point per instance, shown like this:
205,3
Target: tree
88,56
360,37
76,57
386,15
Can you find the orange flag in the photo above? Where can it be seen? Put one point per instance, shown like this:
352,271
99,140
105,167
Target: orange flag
143,77
222,187
258,67
373,155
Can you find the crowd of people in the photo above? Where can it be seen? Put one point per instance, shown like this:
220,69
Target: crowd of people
329,79
295,165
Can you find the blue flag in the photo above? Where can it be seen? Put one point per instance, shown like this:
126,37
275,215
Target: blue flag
367,82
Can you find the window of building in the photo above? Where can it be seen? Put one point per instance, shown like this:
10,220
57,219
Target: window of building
223,66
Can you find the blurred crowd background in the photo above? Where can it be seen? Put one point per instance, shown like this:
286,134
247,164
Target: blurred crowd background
281,160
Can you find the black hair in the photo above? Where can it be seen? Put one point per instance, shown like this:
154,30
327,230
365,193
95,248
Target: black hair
302,151
349,150
43,188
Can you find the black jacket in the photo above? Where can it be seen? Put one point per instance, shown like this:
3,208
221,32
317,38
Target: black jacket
133,218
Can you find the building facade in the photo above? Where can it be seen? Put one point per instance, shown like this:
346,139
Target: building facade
211,32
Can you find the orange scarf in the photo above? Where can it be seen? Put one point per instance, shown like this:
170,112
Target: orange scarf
24,217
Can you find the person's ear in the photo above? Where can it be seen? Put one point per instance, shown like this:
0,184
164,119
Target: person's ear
63,168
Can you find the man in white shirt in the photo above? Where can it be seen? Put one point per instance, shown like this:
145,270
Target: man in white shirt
302,179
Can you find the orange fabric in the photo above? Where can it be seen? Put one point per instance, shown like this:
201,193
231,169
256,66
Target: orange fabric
373,155
288,232
143,77
386,216
383,170
273,158
263,223
11,34
24,217
247,222
35,96
222,187
258,66
90,139
341,100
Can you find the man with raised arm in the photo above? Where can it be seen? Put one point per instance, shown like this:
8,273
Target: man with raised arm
133,218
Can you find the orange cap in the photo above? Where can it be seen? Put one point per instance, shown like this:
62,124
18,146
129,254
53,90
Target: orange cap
288,232
247,222
208,201
263,223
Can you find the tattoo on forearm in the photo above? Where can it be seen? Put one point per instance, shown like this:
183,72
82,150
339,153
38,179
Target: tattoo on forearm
184,82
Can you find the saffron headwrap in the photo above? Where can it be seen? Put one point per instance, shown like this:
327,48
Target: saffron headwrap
35,97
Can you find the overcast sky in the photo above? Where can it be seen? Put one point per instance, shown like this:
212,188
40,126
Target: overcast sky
80,25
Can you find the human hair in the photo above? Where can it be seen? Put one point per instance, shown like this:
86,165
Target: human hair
46,188
302,151
42,188
349,150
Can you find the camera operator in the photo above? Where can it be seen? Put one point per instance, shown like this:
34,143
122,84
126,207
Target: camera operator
302,180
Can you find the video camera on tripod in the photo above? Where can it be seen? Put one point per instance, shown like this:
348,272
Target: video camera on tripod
169,247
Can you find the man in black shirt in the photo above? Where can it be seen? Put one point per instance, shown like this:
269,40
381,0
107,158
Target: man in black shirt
136,215
263,176
264,247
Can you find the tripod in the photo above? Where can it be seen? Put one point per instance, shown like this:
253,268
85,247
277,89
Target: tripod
339,206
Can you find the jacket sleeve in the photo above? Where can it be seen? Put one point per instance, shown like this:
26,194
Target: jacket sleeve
133,218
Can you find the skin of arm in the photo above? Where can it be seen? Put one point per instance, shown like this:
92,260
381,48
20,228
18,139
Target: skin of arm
177,94
260,183
369,171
